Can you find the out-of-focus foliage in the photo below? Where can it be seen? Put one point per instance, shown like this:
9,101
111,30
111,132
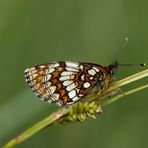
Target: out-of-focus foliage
34,32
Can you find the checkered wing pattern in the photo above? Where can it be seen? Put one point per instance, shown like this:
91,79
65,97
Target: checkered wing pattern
35,77
63,82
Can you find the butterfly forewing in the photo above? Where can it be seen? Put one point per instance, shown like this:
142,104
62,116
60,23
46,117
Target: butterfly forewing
63,82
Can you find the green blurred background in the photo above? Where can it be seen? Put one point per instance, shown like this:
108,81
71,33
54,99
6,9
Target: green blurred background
40,31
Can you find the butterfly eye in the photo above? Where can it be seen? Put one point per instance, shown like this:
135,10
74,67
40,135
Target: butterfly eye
112,69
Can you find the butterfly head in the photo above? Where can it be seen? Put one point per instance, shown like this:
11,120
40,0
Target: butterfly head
112,69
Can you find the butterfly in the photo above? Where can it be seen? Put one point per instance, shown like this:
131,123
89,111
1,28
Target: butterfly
67,82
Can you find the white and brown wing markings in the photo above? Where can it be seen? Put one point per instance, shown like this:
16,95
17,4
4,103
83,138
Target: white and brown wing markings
88,78
63,82
71,81
52,83
35,77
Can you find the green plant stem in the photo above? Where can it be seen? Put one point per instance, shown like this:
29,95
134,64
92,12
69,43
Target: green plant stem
63,111
126,81
133,78
37,127
113,99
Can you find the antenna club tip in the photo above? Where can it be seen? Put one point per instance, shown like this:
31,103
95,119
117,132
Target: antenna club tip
143,64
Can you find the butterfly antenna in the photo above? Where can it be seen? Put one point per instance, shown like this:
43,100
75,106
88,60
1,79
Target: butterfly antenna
125,41
142,64
124,44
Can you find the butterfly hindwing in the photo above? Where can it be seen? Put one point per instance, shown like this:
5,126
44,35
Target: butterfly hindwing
35,77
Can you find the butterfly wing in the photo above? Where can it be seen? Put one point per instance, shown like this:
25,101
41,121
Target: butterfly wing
35,77
63,82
